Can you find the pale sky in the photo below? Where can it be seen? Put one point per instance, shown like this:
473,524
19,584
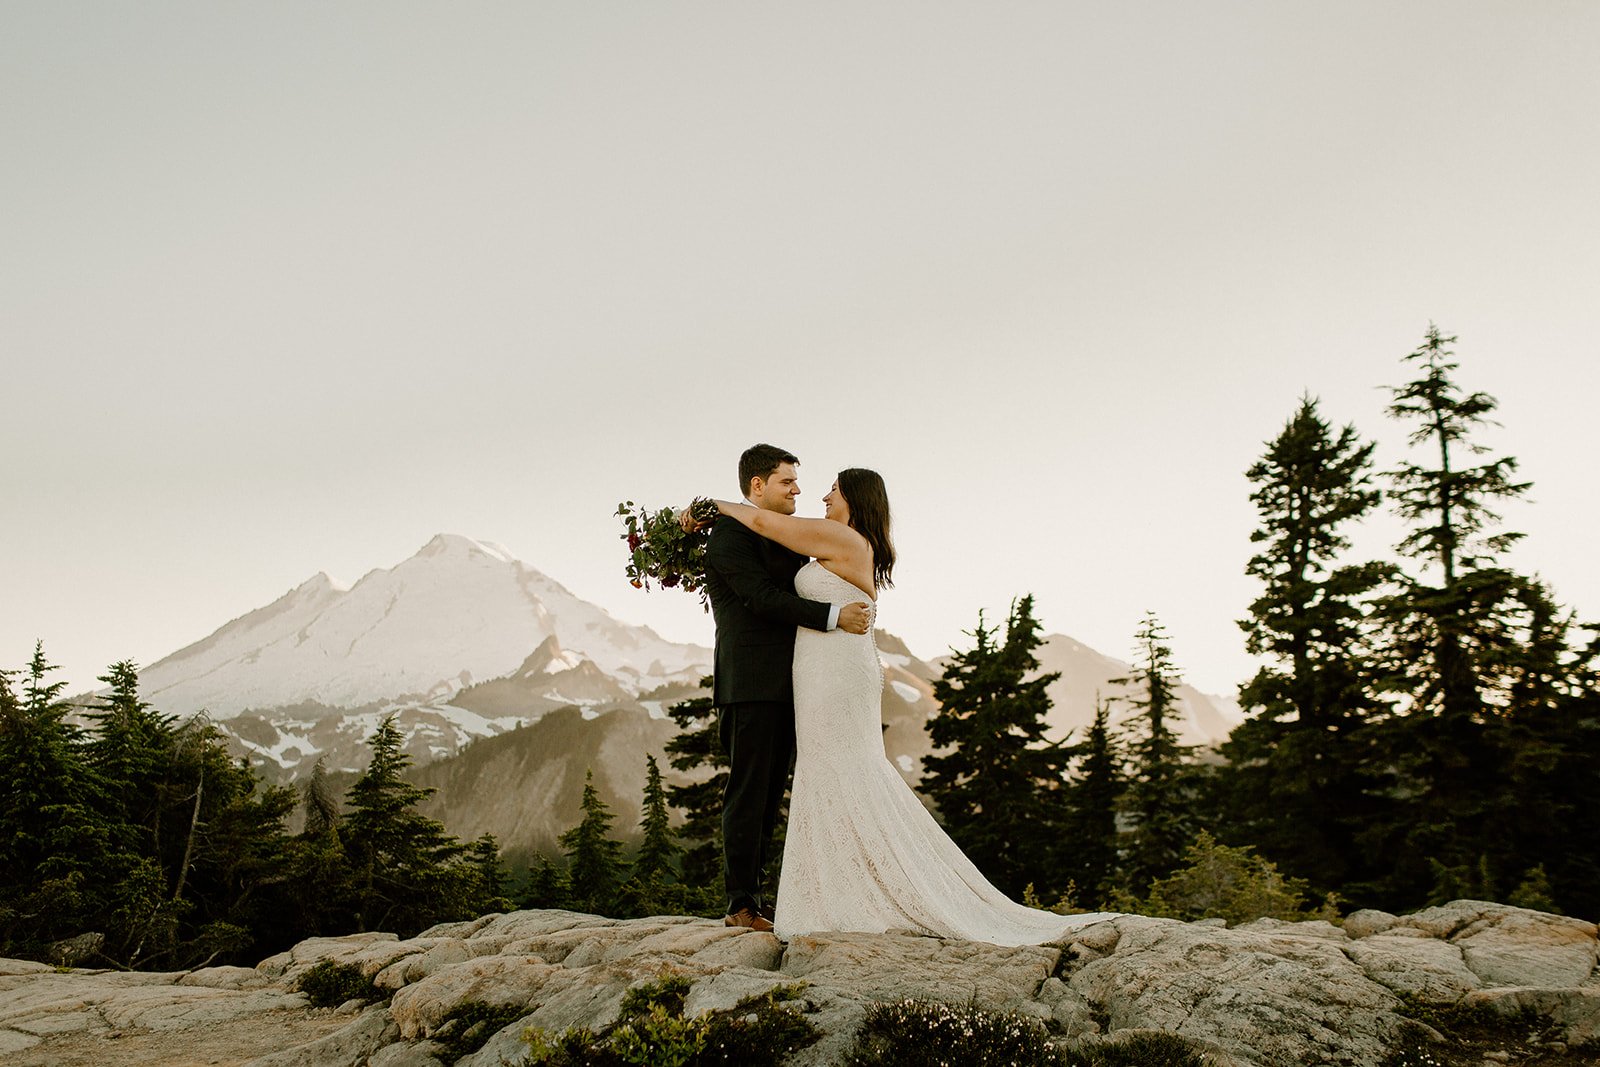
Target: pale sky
292,287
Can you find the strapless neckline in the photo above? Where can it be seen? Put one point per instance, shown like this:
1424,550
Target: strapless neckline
817,563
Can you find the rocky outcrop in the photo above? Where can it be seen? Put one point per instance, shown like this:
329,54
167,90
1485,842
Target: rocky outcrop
1257,995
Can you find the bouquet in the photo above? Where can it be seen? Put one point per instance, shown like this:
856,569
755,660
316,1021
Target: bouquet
661,551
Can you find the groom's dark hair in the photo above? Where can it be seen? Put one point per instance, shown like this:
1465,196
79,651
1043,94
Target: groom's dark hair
759,461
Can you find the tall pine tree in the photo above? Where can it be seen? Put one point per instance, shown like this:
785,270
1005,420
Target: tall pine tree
1090,858
594,861
1293,786
1454,621
1463,631
653,887
404,866
995,776
1160,798
697,751
53,841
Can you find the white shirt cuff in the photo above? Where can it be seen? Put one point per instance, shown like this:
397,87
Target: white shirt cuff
833,617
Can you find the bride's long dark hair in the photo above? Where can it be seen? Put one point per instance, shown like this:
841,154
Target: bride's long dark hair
868,501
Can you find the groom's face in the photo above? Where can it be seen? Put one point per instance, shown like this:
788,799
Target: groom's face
777,493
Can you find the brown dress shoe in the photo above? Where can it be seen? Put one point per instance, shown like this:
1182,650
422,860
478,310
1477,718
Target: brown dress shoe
748,919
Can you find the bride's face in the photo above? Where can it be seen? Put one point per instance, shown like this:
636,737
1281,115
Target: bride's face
836,507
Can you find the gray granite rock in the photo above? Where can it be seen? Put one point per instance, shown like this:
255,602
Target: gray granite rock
1266,993
1262,999
498,981
349,1046
1368,921
896,966
225,978
406,1054
1529,948
1423,967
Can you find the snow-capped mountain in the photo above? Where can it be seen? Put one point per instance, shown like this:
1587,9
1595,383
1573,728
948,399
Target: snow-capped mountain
458,613
463,642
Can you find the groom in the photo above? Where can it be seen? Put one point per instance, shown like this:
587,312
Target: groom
751,582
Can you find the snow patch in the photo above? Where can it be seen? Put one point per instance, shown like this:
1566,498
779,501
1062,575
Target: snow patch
905,763
564,661
908,693
459,609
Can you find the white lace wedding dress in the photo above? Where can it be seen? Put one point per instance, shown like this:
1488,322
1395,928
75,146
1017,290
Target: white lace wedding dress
862,853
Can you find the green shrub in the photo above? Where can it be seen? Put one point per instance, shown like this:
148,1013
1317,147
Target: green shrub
1141,1050
759,1031
1472,1029
668,992
1414,1052
329,984
946,1035
658,1038
1066,903
929,1032
1233,883
1534,892
469,1025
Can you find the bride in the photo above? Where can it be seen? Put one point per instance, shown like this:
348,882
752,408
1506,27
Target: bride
862,853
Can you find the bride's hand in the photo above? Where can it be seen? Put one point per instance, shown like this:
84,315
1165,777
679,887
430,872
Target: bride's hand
855,618
689,523
708,510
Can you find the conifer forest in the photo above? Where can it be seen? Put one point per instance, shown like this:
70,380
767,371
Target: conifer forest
1423,726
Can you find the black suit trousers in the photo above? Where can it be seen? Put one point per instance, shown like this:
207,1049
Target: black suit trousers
758,739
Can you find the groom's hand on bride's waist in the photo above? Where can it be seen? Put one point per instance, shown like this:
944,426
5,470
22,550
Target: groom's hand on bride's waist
855,618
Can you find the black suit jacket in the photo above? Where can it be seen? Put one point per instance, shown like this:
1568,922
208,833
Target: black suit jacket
751,582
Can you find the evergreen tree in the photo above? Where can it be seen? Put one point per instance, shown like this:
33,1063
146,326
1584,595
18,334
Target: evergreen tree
322,808
1479,653
132,753
697,749
404,865
1293,785
318,889
594,861
1549,824
547,885
653,887
1450,634
232,848
42,698
52,840
489,884
1160,796
657,850
1089,856
998,781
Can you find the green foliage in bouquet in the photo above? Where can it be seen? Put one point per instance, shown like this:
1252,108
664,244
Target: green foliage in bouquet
661,551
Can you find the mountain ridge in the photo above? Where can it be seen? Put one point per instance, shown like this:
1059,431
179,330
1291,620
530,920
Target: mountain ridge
457,612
